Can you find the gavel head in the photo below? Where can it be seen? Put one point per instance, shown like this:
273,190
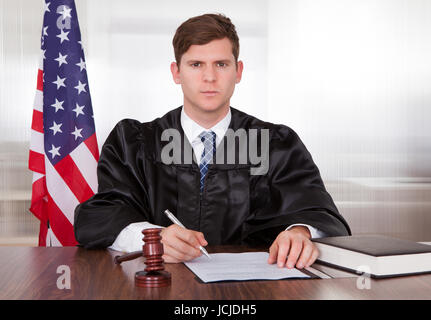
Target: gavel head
152,249
154,275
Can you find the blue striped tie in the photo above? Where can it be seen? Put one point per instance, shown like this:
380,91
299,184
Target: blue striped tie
209,141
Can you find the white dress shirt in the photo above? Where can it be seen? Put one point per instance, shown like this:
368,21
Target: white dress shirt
192,130
130,238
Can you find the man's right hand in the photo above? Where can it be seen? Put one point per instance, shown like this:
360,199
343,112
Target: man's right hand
181,244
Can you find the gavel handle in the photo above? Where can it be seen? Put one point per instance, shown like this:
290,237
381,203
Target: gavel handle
128,256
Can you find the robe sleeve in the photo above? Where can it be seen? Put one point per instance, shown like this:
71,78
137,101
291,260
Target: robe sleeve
122,196
292,192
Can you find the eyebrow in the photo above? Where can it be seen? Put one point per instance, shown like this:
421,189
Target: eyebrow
199,61
224,61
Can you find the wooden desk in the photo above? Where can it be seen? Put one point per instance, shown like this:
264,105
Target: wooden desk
31,273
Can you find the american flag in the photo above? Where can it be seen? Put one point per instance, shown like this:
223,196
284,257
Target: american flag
63,149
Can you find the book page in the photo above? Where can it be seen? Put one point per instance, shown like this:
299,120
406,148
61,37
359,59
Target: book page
240,266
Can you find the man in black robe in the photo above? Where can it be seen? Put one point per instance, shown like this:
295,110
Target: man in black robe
184,162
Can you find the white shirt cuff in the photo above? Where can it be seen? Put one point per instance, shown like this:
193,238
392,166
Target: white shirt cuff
130,238
315,233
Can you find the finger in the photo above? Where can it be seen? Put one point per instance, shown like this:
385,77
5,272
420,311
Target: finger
174,255
182,240
273,253
294,253
188,236
201,239
283,250
307,250
184,248
172,240
314,256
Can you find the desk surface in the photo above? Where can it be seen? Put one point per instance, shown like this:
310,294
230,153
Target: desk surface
31,273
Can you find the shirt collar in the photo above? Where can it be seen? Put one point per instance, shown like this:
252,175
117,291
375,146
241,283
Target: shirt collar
192,129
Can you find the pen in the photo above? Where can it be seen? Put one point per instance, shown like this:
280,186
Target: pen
177,222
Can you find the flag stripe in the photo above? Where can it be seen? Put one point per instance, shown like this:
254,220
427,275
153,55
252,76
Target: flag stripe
42,234
37,176
74,179
86,163
38,204
38,101
39,80
37,142
60,225
51,239
60,192
91,143
36,162
39,189
37,122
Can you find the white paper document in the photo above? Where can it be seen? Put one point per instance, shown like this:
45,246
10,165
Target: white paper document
240,266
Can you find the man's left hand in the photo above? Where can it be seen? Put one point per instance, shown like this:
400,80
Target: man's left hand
295,246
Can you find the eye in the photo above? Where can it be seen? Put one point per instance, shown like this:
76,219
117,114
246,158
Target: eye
196,64
222,64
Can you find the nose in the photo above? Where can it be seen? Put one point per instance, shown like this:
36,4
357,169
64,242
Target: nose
209,74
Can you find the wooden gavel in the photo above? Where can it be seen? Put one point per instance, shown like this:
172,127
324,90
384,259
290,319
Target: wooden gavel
153,275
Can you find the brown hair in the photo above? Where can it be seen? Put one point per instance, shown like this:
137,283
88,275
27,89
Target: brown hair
202,30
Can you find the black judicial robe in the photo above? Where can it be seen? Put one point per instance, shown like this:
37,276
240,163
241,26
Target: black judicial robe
235,207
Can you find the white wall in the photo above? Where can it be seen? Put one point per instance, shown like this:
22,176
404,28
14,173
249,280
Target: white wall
354,79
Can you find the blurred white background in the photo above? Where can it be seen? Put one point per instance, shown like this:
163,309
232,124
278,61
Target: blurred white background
351,77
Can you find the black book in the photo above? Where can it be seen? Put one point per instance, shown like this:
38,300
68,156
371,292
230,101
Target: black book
377,255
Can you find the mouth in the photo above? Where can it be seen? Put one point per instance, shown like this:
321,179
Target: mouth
209,93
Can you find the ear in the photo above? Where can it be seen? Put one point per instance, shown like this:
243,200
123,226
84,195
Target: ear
239,68
175,72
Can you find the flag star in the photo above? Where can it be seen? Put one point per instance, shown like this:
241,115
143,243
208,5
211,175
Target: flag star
80,42
60,82
54,151
63,35
66,12
57,105
45,33
78,110
47,6
77,133
81,64
61,59
80,87
43,54
56,128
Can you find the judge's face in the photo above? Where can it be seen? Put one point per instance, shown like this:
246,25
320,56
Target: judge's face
207,74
